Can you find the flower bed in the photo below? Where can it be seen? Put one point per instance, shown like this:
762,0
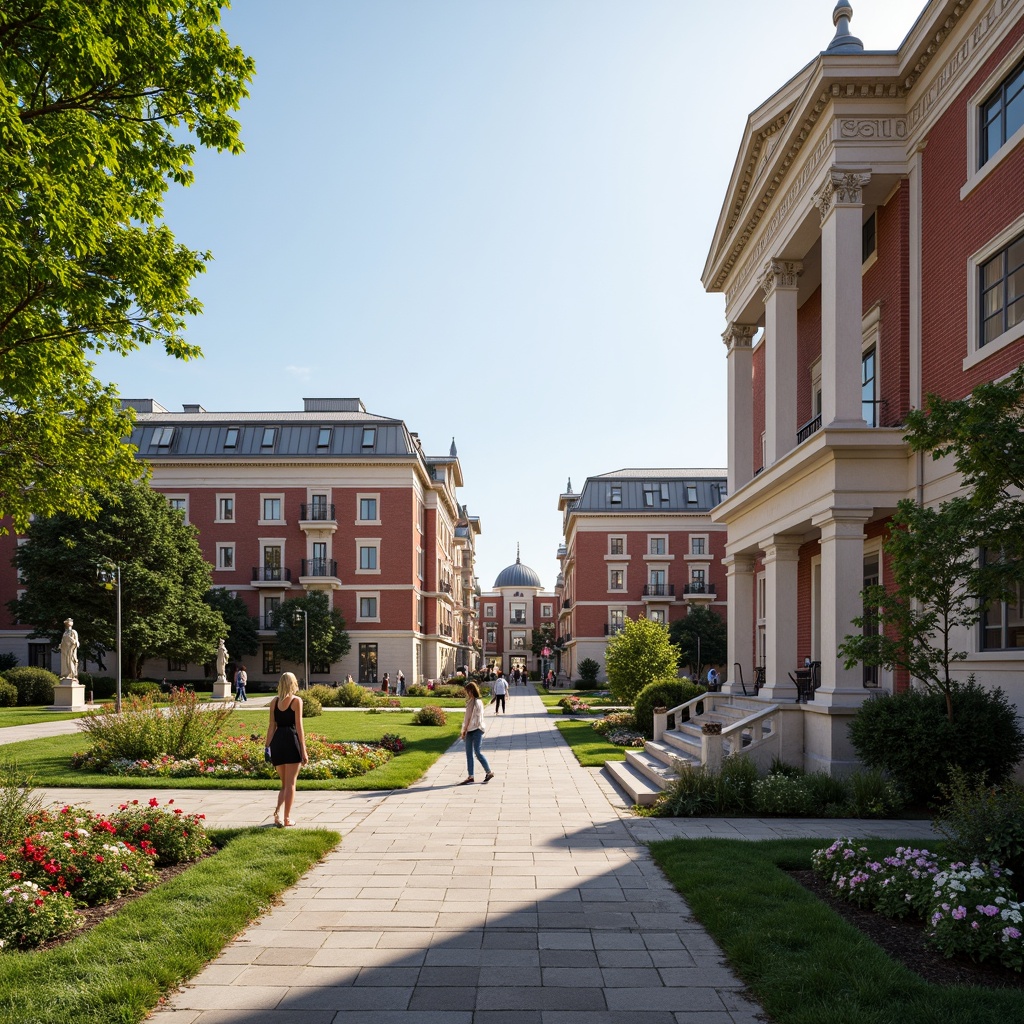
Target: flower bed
968,909
572,705
242,757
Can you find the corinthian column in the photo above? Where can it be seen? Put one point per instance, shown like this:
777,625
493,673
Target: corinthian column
779,283
738,339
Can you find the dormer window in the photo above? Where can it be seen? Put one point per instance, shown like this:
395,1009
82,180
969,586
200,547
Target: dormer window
269,437
231,438
323,438
162,437
664,492
369,437
616,496
648,497
691,494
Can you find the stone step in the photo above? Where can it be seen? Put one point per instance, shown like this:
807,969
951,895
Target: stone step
683,743
659,770
637,786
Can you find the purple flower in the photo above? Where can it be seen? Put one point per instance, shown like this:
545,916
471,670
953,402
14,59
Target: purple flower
960,913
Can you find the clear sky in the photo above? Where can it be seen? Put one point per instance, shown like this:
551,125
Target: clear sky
487,218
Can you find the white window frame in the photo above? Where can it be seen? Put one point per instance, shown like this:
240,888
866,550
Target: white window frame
223,546
975,354
270,496
362,595
372,543
546,611
617,536
359,507
273,542
625,581
871,338
651,537
217,508
657,615
179,497
705,539
490,611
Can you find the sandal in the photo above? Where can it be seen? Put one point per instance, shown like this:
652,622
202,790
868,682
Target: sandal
466,782
277,818
288,823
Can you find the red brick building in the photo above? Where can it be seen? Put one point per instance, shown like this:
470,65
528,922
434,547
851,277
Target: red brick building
638,542
332,498
870,248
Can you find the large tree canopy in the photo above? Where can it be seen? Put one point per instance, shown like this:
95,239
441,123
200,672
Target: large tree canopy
327,637
640,654
702,639
163,580
101,104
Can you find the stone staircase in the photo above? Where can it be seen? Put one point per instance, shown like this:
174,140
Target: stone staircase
646,773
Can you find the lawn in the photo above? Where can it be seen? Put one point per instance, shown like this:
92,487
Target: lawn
46,760
32,715
550,700
116,972
591,748
802,961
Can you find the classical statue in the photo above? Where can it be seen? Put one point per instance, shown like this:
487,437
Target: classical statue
69,652
222,661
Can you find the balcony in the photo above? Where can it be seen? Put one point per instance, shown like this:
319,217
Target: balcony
444,630
271,576
613,629
318,518
566,604
697,591
266,622
662,591
810,427
517,620
319,567
444,588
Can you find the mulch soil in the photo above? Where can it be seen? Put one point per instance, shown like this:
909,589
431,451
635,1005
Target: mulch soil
904,940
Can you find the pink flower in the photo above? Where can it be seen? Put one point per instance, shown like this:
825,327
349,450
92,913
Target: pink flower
959,913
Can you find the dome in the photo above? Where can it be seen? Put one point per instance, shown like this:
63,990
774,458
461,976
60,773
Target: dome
517,575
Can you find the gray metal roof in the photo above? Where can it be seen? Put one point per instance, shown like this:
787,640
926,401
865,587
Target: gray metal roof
658,474
652,491
517,575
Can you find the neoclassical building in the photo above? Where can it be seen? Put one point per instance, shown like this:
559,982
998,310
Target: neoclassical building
870,251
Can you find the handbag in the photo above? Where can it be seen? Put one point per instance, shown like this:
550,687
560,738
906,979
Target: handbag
266,753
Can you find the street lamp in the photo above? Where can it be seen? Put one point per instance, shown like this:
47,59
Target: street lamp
109,574
305,637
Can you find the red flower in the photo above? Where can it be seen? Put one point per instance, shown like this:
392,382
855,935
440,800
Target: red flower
16,875
38,902
98,858
171,801
153,802
178,810
145,828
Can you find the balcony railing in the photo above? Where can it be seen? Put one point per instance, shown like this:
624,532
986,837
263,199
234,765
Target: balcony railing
659,590
612,629
566,604
444,630
517,620
267,622
812,426
271,574
317,513
444,588
567,638
699,588
319,567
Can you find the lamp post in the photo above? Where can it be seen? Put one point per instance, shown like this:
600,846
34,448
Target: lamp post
305,638
109,574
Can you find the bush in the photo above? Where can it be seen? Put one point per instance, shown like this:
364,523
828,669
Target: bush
909,736
613,721
872,795
143,688
351,695
431,714
667,693
34,685
786,796
103,687
8,661
8,694
982,822
449,690
392,741
416,690
18,803
829,796
327,695
311,706
736,781
588,670
176,836
31,915
694,794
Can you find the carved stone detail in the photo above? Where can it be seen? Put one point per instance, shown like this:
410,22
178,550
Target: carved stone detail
780,274
841,188
871,128
739,335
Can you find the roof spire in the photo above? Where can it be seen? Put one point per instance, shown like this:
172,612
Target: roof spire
517,552
843,41
452,451
568,486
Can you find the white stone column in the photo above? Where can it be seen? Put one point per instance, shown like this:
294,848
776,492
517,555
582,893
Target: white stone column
779,282
840,200
781,554
738,340
842,579
739,571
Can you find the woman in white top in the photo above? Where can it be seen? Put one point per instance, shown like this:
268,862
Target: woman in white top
473,733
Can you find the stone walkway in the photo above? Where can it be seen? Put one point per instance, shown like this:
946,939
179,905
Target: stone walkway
529,900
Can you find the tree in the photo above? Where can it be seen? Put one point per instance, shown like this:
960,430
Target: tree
706,626
163,580
543,636
639,654
242,637
328,638
101,106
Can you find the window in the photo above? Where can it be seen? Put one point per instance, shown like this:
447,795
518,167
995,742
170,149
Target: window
658,545
1001,115
697,545
367,557
231,437
226,509
657,615
616,579
369,437
648,497
1002,623
269,437
664,492
490,611
179,505
616,618
492,634
162,437
225,556
518,641
868,242
868,382
691,494
39,655
367,607
271,662
271,571
270,606
546,611
176,666
272,508
368,664
323,437
616,545
616,496
421,563
1001,287
517,613
368,509
697,577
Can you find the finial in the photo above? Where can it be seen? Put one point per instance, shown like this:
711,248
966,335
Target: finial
568,486
453,452
517,552
843,41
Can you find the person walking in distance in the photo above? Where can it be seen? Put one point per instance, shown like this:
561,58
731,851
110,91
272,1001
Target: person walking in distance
400,680
286,743
500,689
241,678
385,686
473,733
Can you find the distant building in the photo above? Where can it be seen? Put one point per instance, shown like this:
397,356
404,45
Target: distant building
333,499
638,542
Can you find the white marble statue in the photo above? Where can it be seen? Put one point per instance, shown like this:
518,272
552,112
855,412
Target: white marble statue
69,652
222,661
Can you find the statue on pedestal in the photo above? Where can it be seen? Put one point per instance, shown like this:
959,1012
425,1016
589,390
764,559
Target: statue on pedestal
69,653
222,661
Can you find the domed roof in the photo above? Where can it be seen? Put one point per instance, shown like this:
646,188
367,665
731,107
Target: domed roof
517,575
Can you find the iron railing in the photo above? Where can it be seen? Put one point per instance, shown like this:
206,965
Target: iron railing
699,588
316,513
271,574
319,567
659,590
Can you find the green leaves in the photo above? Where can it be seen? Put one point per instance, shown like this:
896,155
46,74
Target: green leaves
328,638
640,654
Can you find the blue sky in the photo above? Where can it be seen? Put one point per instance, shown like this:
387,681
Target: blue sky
488,218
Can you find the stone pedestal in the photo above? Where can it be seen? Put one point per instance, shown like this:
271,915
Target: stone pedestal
221,689
68,695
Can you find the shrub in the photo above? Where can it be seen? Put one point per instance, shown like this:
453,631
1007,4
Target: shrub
103,687
8,661
588,670
694,794
176,836
30,915
143,688
828,795
983,822
416,690
393,742
447,690
18,804
614,720
735,789
327,695
431,714
311,707
34,685
909,736
667,693
872,795
351,695
782,795
8,694
572,705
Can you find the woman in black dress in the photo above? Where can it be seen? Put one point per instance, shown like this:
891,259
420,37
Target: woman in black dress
286,742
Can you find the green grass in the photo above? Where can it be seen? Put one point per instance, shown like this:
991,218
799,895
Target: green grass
32,715
117,971
802,961
550,700
591,748
46,761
